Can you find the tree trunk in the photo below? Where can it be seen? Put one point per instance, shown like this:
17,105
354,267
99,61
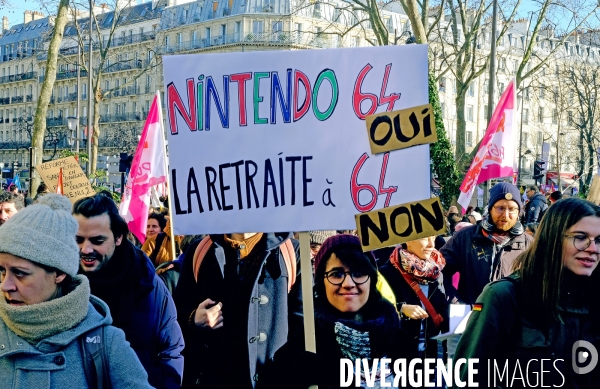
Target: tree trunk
39,122
461,130
96,133
411,7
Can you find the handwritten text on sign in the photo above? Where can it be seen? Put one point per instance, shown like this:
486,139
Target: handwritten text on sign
75,184
401,129
274,141
400,224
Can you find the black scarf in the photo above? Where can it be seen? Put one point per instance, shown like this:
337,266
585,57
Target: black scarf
122,281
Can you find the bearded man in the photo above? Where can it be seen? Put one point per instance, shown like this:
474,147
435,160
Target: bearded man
486,251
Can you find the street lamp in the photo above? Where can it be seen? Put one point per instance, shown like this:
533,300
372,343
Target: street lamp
72,125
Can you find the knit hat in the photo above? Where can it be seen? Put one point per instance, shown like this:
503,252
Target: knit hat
504,191
318,237
44,233
476,216
336,241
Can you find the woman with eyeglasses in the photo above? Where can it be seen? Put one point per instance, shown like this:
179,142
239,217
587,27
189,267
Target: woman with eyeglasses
545,317
352,321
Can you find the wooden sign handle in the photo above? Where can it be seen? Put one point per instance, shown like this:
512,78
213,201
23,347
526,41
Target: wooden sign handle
307,295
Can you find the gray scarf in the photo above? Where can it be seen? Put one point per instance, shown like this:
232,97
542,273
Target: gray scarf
40,321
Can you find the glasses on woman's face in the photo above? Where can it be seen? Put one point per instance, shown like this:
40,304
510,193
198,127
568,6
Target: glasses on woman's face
337,277
582,242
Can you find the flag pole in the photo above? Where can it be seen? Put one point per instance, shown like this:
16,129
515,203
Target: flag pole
162,125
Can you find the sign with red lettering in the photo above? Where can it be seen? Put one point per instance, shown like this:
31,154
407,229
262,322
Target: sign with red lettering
275,141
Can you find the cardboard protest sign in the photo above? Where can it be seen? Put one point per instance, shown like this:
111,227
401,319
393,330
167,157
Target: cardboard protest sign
75,183
401,129
594,193
400,224
274,141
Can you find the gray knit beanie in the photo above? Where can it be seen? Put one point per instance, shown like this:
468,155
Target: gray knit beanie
318,237
44,233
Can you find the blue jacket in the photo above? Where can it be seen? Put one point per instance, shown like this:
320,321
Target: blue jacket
143,308
57,361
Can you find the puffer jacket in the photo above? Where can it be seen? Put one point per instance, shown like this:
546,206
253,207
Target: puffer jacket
535,208
209,353
471,254
57,361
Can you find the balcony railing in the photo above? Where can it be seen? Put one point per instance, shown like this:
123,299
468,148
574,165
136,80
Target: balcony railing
124,117
18,77
4,100
271,38
126,65
54,122
135,38
16,99
65,75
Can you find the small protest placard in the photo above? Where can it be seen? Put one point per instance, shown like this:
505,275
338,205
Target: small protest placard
401,223
401,129
75,183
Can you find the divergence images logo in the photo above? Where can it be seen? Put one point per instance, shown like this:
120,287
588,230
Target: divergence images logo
579,357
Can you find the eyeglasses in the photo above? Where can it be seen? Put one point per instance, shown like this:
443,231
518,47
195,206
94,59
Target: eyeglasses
582,242
511,211
337,277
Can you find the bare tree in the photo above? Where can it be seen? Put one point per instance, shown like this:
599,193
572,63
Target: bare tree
39,123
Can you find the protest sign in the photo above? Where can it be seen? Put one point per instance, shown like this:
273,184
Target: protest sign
594,193
274,141
401,129
400,224
75,183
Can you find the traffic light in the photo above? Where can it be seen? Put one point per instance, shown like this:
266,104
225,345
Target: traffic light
539,169
125,162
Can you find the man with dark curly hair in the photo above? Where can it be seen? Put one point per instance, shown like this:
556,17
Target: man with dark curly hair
10,204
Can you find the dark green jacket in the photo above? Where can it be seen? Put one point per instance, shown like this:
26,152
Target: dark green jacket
503,333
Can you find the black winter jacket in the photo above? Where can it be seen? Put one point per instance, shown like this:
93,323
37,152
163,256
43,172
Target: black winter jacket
535,208
233,356
405,294
503,332
470,253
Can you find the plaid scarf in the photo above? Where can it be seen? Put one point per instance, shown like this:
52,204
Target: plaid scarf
501,239
423,270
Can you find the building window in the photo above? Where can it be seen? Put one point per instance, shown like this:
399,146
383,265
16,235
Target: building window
469,138
542,91
469,113
471,89
442,84
526,116
554,116
257,27
207,33
541,114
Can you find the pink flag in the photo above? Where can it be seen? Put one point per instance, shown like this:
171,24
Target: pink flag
495,157
148,168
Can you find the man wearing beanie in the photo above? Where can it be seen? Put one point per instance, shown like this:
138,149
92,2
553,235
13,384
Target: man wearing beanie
485,251
122,276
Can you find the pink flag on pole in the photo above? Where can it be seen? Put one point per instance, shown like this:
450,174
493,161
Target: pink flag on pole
495,157
148,169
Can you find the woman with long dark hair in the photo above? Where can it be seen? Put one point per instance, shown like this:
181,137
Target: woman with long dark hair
352,320
545,309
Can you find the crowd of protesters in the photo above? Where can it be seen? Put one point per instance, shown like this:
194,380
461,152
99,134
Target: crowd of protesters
86,305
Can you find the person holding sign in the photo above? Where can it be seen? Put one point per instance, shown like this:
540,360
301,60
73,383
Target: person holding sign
486,251
542,323
352,321
415,274
235,297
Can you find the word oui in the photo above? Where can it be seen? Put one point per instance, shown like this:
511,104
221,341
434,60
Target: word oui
418,373
283,97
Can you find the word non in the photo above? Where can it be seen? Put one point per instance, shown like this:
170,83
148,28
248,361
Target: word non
417,373
401,223
243,184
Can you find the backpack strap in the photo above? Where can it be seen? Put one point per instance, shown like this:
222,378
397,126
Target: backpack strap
289,257
93,347
200,253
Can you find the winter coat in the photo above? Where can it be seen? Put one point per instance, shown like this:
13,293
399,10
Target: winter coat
57,361
387,340
143,308
503,331
470,253
406,295
535,208
209,352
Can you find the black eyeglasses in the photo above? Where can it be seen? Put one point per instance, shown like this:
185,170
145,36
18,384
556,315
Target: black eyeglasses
582,242
337,277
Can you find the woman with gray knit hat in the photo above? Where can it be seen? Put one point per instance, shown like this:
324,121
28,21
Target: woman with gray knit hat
46,309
